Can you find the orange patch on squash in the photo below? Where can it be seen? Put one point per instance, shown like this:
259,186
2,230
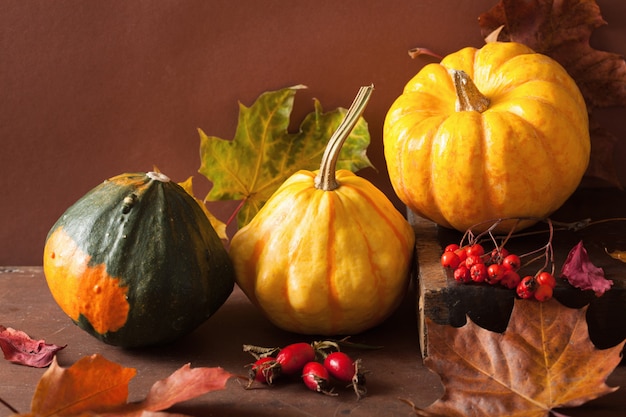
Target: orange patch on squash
80,289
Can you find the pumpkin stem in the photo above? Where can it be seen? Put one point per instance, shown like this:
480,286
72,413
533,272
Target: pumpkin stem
326,179
469,98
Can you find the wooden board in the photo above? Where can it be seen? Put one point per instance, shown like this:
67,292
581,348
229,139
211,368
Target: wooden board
444,301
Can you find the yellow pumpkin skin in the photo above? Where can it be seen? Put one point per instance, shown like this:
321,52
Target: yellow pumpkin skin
325,262
521,157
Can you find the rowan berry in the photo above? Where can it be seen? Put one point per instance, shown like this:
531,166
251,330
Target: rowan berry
452,247
462,253
475,249
526,287
478,272
512,262
546,278
472,260
494,273
497,255
462,274
450,260
510,279
544,292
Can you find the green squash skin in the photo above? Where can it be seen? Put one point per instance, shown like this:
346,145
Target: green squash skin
162,247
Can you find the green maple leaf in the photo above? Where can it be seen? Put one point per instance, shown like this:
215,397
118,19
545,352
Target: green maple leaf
263,153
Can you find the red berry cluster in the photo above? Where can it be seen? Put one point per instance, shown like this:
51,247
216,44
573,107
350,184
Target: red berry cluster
316,367
471,263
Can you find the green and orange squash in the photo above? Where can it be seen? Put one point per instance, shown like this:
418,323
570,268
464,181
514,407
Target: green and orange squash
136,262
328,253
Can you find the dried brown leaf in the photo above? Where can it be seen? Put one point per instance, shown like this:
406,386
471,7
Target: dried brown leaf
543,361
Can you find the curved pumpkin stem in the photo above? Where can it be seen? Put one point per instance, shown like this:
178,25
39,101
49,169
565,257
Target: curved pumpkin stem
468,97
326,179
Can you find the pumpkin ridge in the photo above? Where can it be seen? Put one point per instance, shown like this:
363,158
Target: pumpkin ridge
441,142
539,132
384,214
541,140
375,277
335,308
425,154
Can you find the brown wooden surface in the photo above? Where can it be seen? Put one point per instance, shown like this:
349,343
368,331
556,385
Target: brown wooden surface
396,370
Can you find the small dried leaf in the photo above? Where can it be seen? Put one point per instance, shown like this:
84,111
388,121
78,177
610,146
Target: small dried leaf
19,348
582,273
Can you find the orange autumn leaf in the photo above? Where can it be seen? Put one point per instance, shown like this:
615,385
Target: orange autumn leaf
543,361
91,384
94,386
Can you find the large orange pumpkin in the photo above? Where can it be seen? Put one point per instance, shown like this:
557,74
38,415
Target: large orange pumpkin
487,133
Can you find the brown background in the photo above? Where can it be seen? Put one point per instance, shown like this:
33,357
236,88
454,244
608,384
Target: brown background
92,89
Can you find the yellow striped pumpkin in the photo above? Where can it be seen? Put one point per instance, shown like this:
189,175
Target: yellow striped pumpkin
328,254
